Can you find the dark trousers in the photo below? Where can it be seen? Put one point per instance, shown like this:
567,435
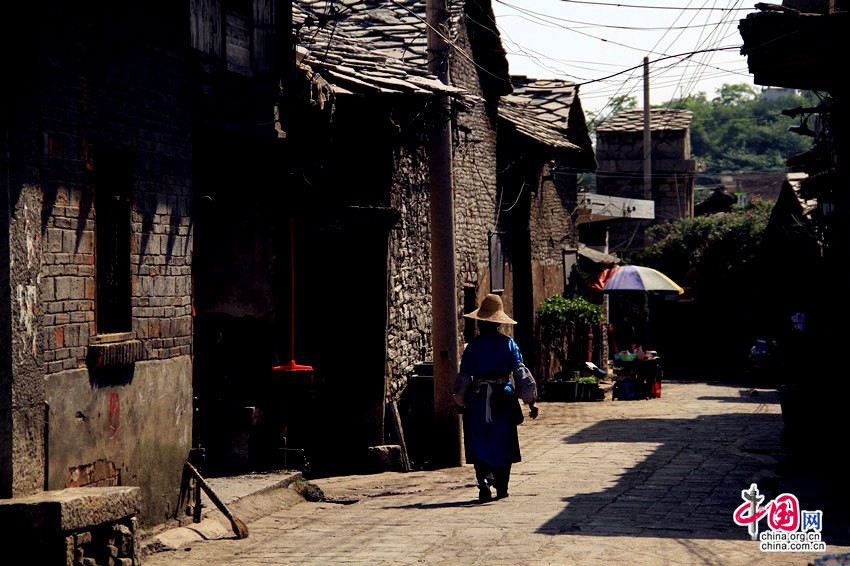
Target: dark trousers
501,476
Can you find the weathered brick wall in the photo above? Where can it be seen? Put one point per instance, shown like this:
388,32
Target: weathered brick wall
130,99
110,85
409,328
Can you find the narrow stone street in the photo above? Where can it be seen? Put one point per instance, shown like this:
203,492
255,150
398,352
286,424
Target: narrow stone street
607,482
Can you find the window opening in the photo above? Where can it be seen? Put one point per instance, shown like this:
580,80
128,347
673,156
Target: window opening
112,206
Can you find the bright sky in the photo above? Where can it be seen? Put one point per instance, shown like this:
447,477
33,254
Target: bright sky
589,40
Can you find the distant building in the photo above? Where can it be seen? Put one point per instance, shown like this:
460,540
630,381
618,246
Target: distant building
619,152
777,93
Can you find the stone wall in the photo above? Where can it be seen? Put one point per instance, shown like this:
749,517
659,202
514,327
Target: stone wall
620,173
611,146
550,218
409,325
22,460
474,147
552,230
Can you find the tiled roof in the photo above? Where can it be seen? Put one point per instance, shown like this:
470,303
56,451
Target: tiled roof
540,110
517,111
351,62
380,46
549,99
394,28
659,119
397,29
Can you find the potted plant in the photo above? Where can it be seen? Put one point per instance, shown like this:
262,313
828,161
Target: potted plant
563,324
587,387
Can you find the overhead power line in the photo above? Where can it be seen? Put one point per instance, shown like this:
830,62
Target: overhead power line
541,15
676,56
619,5
534,15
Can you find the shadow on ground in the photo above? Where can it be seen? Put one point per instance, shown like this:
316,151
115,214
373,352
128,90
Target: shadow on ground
690,486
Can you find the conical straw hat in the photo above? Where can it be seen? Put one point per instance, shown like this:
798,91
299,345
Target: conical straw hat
491,310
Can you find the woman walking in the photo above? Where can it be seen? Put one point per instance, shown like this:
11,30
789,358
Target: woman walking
491,380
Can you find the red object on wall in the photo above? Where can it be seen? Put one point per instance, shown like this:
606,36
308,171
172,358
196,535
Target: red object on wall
114,416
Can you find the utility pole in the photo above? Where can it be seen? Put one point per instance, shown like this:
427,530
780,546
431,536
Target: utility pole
647,173
647,135
444,332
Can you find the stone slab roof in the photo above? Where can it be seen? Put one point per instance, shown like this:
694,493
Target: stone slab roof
397,29
548,99
350,61
381,46
540,109
519,112
660,119
394,28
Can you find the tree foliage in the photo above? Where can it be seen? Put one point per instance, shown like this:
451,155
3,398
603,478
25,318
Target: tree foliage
710,252
739,130
720,261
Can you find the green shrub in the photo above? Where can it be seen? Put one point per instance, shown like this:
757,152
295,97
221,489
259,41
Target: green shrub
561,321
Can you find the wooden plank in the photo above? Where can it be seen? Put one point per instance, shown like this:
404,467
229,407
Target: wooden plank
238,42
264,35
399,430
205,26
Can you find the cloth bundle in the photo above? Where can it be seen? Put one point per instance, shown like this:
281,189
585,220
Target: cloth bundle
525,385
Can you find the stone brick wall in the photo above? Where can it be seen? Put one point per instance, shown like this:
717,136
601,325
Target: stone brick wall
75,526
474,175
552,230
550,221
409,328
622,146
114,92
93,102
116,543
621,156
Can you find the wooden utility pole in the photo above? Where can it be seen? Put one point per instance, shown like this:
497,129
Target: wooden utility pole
647,135
647,170
447,448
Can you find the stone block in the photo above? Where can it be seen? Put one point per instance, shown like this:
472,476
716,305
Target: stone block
56,524
72,509
386,458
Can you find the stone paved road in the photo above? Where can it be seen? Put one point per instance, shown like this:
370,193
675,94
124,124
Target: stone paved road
610,482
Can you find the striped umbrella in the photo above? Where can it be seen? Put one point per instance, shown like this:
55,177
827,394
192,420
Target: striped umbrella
640,278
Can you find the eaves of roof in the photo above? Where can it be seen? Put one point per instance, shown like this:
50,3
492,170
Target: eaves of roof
795,50
529,125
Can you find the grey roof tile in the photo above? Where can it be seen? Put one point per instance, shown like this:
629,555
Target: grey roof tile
530,126
661,119
540,108
354,59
